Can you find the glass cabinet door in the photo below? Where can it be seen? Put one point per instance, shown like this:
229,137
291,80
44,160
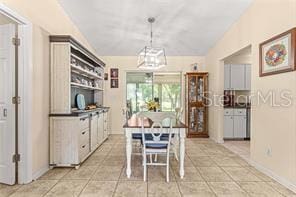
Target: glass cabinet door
196,119
200,88
192,86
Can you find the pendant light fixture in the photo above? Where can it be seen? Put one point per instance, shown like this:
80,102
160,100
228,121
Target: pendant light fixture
151,57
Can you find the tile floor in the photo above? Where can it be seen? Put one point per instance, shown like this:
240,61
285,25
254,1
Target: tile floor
242,148
210,170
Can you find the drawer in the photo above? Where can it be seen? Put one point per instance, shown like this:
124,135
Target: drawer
83,151
240,112
84,123
228,111
84,137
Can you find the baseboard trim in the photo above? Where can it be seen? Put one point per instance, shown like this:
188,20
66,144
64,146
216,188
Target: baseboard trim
40,172
274,176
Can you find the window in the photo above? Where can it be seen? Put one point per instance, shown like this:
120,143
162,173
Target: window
145,86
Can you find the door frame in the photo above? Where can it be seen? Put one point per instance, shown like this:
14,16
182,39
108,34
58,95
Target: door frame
25,73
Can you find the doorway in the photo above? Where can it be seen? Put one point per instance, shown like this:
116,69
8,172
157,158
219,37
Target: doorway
15,98
237,103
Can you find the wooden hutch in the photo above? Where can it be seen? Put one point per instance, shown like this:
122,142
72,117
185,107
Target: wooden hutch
75,134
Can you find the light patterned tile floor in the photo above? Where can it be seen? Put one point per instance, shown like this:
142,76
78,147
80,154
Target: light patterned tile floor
210,170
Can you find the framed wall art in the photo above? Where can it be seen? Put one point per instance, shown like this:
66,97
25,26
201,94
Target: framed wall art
277,55
114,83
114,73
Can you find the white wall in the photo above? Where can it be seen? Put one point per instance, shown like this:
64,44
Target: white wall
272,127
116,97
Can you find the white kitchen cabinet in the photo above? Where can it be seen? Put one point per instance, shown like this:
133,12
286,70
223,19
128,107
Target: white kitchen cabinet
239,126
227,77
228,126
237,77
94,131
69,140
248,76
100,127
235,123
106,120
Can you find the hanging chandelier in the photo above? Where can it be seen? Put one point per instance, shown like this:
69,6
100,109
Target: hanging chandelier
151,57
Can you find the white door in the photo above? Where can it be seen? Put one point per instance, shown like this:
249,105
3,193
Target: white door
7,110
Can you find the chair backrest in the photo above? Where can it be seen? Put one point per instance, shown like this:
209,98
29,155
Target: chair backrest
156,131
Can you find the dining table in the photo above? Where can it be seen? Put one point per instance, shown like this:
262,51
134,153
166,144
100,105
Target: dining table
133,126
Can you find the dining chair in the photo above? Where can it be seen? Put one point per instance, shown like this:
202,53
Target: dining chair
156,140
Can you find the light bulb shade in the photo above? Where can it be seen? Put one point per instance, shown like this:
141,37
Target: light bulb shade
151,58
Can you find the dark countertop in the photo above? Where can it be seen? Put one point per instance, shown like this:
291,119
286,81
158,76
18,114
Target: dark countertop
135,122
82,112
239,105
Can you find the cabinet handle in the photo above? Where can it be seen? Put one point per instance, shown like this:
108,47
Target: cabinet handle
83,119
83,146
83,132
5,112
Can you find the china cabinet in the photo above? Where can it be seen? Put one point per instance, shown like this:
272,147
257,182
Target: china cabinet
75,133
196,104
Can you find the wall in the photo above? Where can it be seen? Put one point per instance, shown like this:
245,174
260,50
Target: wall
47,18
116,97
272,127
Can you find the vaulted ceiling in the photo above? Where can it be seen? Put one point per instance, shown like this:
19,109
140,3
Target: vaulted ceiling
182,27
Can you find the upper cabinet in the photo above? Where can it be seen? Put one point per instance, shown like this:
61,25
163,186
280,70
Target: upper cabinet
237,77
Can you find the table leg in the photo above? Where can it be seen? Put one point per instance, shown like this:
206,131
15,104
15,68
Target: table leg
182,151
128,136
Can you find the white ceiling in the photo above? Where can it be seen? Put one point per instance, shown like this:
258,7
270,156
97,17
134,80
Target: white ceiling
182,27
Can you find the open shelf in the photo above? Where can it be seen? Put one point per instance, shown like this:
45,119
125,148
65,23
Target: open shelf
79,70
85,86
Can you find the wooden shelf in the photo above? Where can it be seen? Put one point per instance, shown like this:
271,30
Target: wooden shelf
85,72
85,86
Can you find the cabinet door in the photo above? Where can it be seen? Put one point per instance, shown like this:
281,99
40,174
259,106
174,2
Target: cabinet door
239,126
237,79
105,124
227,77
94,132
100,128
248,77
228,126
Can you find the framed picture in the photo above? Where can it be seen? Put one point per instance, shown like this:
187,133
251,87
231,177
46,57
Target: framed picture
114,73
114,83
277,55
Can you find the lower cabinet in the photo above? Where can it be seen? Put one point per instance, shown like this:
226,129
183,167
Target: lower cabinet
73,139
235,123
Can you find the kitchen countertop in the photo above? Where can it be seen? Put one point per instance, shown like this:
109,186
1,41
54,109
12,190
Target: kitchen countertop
239,105
82,112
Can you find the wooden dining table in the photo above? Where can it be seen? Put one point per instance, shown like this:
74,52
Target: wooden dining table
133,126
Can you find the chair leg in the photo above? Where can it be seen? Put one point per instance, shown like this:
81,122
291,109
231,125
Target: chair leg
151,160
155,158
145,168
168,168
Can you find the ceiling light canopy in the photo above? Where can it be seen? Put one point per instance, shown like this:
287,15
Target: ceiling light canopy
151,57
